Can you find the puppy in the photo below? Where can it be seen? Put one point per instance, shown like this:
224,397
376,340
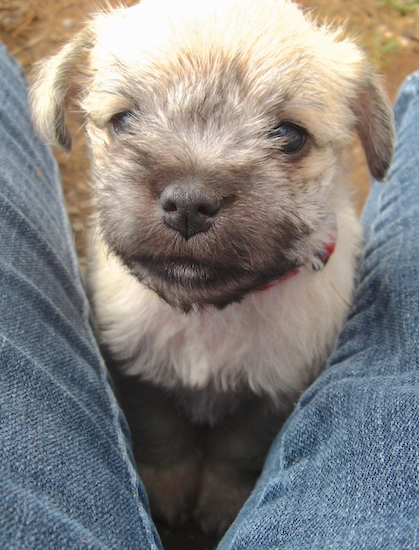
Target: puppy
225,245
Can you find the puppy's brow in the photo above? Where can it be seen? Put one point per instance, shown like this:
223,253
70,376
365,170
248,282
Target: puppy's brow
103,105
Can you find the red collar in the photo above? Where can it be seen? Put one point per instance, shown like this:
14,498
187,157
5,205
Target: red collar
328,248
323,256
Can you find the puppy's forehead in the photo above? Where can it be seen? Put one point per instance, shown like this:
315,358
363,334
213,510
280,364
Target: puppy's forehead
266,49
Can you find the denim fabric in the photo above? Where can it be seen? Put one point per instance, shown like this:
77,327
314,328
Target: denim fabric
344,472
67,478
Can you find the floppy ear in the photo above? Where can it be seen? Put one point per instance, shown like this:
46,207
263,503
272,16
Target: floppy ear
58,82
375,125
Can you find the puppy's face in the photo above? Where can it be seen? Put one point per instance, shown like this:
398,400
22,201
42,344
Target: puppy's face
216,130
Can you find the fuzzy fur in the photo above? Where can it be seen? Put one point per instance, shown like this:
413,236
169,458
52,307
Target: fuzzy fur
183,98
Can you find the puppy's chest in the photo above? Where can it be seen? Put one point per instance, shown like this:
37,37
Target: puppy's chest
211,369
196,351
253,346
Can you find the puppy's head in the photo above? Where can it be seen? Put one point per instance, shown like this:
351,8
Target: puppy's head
216,130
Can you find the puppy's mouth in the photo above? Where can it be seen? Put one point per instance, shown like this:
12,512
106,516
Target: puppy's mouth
188,284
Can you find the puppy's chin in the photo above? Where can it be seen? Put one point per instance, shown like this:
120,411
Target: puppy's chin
190,285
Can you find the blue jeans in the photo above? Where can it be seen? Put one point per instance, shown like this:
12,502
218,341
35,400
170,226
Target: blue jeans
344,471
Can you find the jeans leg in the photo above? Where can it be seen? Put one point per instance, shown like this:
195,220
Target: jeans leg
344,471
67,478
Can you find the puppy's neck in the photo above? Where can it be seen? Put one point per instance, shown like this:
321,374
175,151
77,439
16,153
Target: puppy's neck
318,262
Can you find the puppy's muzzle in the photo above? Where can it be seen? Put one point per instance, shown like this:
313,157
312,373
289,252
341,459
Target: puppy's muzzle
189,208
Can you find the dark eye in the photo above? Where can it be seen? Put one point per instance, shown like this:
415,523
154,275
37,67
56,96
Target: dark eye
120,122
291,138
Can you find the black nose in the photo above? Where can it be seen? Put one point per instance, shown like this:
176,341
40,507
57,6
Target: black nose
189,208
